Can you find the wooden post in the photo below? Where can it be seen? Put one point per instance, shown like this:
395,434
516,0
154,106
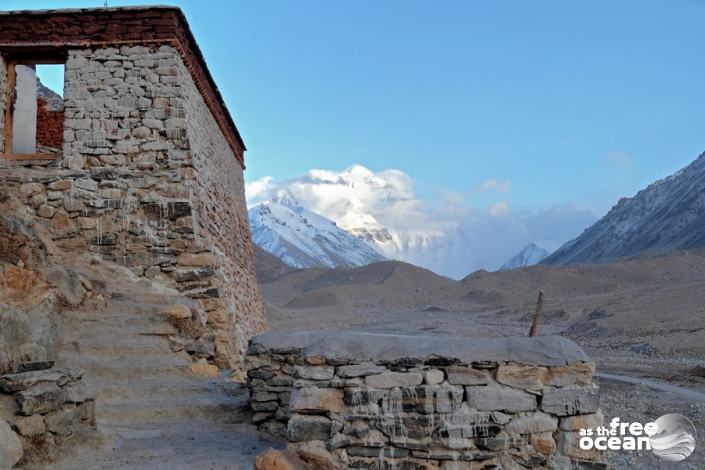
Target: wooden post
532,332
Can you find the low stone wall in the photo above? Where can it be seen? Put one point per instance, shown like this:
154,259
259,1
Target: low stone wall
41,411
350,400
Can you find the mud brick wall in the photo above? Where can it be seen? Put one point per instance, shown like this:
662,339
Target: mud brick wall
148,180
367,401
50,125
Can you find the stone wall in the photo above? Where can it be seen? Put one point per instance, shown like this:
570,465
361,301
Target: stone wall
349,400
147,179
41,411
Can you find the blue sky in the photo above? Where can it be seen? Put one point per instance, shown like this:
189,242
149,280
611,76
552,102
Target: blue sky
572,102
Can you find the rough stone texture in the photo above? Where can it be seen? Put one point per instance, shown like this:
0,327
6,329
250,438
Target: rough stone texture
29,318
571,401
30,426
10,446
500,399
466,375
394,379
539,422
521,377
317,456
316,400
303,428
40,399
402,411
360,370
273,459
25,380
150,173
363,347
176,311
578,422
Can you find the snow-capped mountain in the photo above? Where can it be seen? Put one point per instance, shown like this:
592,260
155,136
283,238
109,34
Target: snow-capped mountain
528,256
668,215
304,239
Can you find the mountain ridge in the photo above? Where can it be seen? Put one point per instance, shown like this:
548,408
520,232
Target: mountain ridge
667,215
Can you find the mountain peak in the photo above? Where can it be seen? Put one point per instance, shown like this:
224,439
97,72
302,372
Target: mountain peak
531,254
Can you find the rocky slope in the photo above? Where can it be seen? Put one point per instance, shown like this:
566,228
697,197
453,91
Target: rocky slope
666,216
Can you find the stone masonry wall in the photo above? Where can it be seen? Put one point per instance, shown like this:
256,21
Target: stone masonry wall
349,400
145,180
219,185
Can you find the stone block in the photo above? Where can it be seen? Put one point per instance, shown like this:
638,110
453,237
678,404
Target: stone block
410,425
314,372
10,446
508,400
388,380
316,400
578,422
273,459
302,428
433,377
206,370
569,445
40,399
193,259
30,426
17,382
521,377
543,443
372,452
578,373
86,411
571,401
466,375
360,370
317,456
536,423
59,421
78,392
176,311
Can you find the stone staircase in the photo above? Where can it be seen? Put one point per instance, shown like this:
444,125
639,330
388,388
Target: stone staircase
151,408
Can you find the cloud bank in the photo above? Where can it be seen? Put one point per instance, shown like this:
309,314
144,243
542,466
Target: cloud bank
452,239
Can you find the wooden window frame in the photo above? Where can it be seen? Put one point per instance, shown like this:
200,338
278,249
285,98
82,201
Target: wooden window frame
57,57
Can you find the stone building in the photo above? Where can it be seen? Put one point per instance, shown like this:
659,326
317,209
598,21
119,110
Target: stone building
140,162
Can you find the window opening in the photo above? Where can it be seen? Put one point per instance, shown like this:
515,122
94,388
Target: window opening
37,110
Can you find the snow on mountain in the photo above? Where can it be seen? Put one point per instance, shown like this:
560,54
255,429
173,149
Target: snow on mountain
528,256
304,239
668,215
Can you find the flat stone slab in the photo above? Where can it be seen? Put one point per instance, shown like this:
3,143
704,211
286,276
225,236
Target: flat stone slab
17,382
348,347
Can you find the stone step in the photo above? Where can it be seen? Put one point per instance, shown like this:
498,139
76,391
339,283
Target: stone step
215,407
112,391
129,367
140,345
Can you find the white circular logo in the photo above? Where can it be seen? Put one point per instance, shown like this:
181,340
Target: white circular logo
675,439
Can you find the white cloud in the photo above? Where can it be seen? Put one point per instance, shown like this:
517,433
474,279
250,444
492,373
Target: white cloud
471,238
618,160
494,185
499,209
255,190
